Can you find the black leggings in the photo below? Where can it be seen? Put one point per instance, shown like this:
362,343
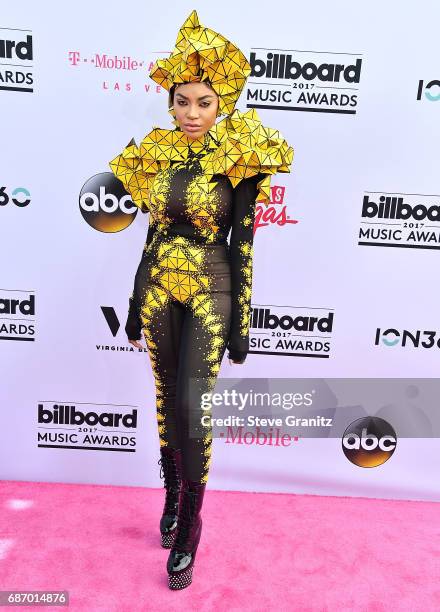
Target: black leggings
184,294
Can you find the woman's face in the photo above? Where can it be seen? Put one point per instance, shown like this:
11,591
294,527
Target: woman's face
195,105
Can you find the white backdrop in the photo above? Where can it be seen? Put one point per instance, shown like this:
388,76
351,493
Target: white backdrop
82,112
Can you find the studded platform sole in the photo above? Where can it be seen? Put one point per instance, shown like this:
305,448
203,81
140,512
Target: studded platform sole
180,581
167,539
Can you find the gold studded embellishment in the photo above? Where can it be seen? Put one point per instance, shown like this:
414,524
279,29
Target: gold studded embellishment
200,54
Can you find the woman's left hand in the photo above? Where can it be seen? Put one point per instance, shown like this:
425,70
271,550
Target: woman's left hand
136,343
237,362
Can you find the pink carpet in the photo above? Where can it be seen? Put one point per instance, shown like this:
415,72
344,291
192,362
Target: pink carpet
257,551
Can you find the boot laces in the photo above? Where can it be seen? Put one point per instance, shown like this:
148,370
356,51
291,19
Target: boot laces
161,462
169,471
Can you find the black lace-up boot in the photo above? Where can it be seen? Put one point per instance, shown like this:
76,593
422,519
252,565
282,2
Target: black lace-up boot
171,470
189,528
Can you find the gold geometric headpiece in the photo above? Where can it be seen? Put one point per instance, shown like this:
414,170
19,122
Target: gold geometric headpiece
201,54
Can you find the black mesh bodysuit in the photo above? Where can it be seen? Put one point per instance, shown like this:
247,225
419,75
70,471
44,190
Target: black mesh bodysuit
192,295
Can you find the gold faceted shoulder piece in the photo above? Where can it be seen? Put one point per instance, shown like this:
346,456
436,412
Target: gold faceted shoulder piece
247,148
136,167
127,167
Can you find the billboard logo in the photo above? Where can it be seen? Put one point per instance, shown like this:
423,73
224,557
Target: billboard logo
17,315
101,427
304,81
290,331
400,220
15,50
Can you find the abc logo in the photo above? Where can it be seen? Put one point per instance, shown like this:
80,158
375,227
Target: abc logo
369,442
105,204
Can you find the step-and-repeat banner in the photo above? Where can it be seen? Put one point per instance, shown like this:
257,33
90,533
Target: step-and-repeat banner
346,255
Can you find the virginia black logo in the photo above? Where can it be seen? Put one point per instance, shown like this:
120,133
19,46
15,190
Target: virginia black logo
301,79
111,318
114,327
17,315
290,331
15,50
105,204
400,220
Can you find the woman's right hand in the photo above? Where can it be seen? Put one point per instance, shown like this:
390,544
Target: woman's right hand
136,343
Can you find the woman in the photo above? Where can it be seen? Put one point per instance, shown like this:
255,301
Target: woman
192,290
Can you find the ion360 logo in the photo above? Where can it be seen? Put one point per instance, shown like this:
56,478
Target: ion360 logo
105,204
430,90
19,196
369,442
395,337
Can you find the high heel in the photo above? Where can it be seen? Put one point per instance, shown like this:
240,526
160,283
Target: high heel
171,470
180,562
